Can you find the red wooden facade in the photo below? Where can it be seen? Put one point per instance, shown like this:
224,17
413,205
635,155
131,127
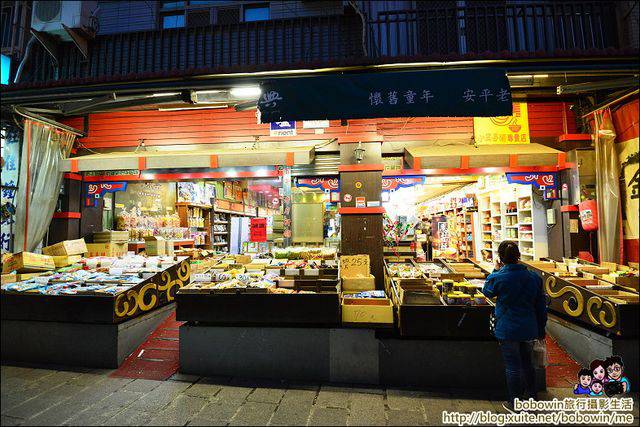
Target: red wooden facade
125,129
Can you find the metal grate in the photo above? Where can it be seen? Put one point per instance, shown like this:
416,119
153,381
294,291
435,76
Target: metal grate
228,15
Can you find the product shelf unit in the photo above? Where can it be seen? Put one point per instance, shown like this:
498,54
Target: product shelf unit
220,230
196,217
485,241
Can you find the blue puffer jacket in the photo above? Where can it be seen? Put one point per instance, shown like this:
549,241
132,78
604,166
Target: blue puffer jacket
521,311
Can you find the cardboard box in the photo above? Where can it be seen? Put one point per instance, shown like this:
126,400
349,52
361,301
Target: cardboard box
155,245
12,278
243,259
366,310
66,247
108,236
356,274
629,282
170,249
66,260
358,284
27,262
593,269
107,249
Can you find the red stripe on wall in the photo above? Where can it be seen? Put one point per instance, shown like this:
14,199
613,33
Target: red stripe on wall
67,215
73,176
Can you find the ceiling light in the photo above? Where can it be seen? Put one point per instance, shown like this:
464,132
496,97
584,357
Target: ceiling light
202,107
245,92
158,95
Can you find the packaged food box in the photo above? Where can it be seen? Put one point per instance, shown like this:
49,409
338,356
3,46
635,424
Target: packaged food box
107,249
155,245
28,262
13,278
66,247
66,260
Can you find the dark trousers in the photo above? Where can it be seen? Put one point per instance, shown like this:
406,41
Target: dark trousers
426,247
518,363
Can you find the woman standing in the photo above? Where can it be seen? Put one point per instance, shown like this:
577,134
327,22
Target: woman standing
521,316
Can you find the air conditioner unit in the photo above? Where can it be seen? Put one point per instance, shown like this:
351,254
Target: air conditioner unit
49,16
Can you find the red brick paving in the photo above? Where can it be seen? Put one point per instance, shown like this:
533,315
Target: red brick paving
158,357
561,368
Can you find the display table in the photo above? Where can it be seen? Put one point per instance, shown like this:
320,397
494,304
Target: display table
585,344
341,355
88,328
92,345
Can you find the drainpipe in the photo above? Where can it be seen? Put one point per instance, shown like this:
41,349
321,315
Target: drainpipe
25,58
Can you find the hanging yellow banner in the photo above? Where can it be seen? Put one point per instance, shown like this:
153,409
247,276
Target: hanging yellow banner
512,129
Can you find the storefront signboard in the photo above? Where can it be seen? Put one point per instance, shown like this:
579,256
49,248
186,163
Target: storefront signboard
258,230
10,166
315,124
513,129
95,191
284,128
361,202
471,92
393,183
326,184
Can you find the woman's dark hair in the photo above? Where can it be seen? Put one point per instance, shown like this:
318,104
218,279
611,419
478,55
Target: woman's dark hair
509,252
595,363
584,372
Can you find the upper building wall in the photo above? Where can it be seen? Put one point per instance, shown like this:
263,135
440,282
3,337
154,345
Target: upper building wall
134,42
127,16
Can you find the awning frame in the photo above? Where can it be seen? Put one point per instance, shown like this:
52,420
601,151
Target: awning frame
463,162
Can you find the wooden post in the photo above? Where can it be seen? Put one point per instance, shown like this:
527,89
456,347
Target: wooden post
360,201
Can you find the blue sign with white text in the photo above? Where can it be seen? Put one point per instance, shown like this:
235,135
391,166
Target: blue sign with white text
5,70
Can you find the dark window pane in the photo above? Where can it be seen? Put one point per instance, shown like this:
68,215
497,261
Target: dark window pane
198,18
173,21
195,2
228,15
172,4
258,12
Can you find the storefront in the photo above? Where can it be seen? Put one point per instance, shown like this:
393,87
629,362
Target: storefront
296,257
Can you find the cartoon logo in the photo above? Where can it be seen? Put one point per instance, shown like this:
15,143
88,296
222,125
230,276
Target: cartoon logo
603,377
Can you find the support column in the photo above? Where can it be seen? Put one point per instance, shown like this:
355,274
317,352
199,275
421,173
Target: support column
360,204
65,224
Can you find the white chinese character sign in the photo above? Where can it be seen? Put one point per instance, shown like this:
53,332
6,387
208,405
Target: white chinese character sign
480,92
513,129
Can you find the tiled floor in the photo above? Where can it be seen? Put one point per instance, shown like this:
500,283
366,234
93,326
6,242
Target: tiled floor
146,390
31,396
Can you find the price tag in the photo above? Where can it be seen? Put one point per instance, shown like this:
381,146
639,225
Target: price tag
201,277
41,280
354,266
